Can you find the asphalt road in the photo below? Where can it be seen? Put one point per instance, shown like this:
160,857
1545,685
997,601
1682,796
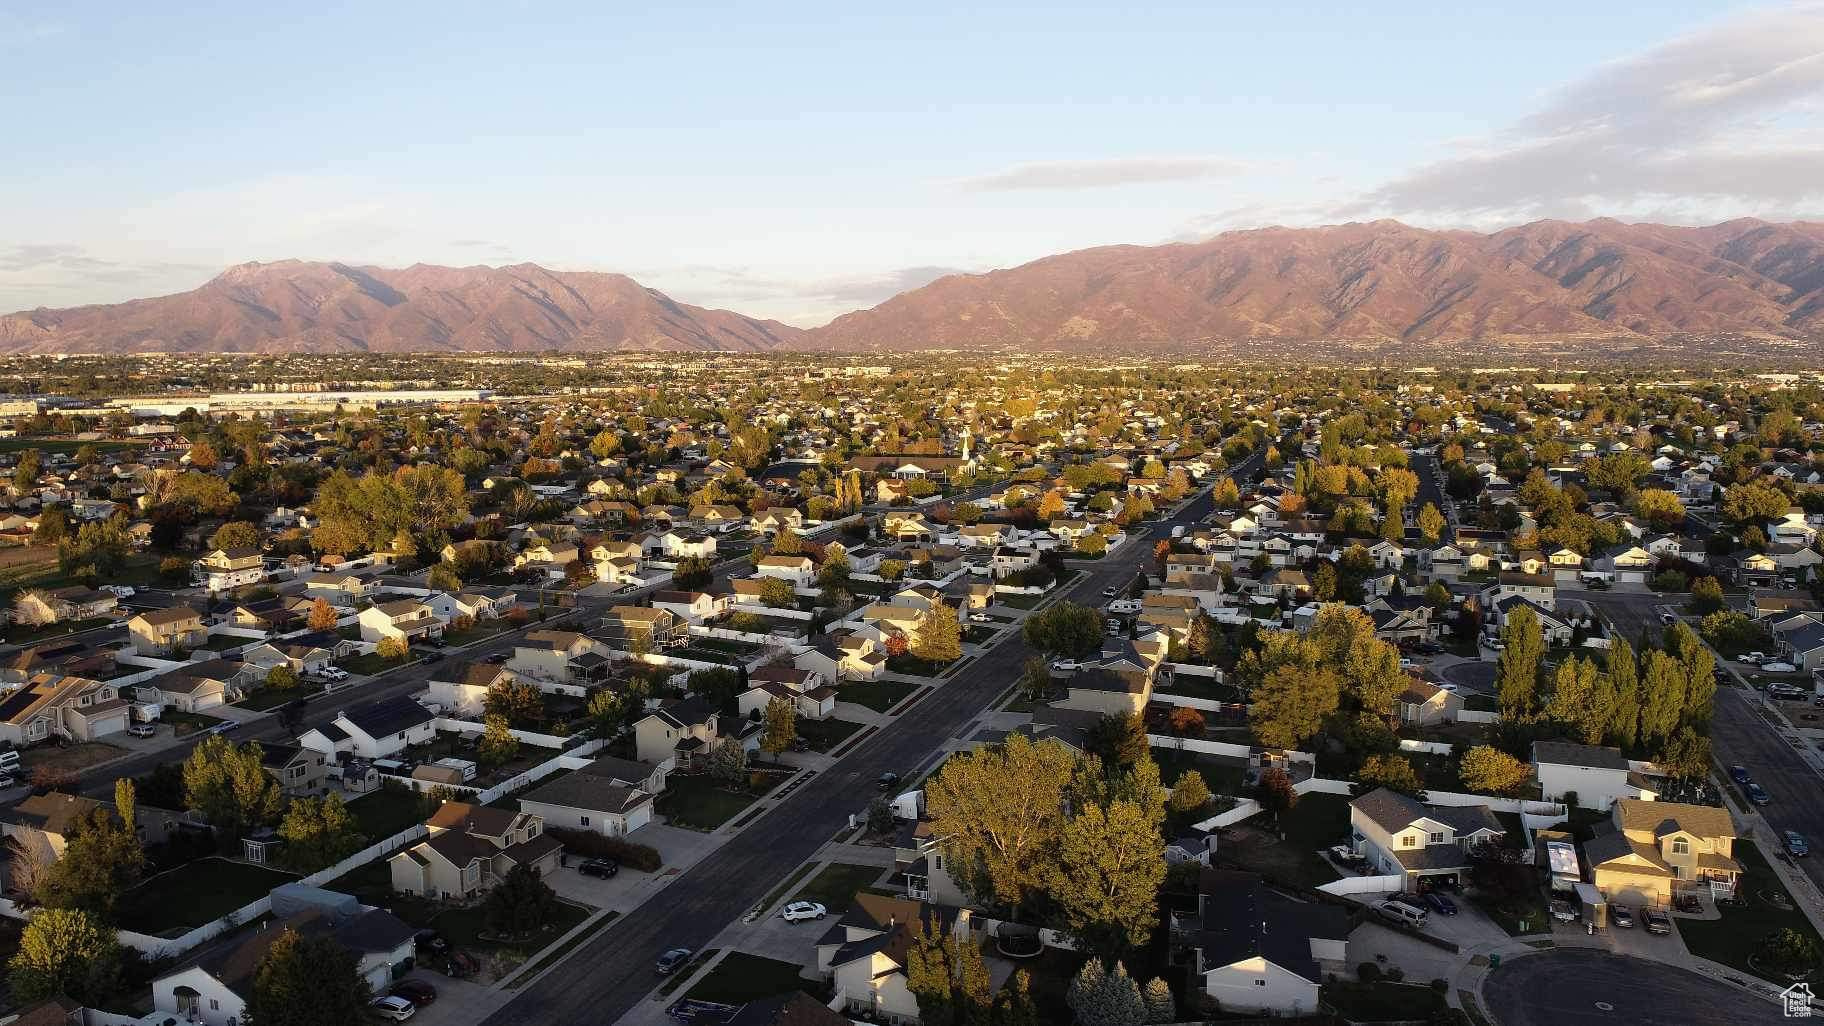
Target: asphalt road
1568,988
600,981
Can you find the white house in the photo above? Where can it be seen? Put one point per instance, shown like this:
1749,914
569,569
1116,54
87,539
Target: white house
1261,952
1599,777
378,730
589,802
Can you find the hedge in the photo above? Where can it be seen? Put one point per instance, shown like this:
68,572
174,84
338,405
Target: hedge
643,857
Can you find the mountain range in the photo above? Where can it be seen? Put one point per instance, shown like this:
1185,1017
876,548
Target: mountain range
1383,284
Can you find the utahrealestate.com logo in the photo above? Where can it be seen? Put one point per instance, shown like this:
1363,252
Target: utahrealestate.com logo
1795,1001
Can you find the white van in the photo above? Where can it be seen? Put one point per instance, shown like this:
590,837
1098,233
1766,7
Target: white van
1399,912
9,761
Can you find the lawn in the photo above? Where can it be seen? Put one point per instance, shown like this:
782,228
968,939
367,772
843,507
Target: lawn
742,977
184,723
463,928
823,735
835,885
1315,823
191,895
1383,1001
67,446
371,882
19,635
385,812
1221,776
1733,938
369,663
916,666
878,695
481,631
1193,686
1520,915
700,802
263,698
71,759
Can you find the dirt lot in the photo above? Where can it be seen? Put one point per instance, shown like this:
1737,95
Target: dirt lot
73,759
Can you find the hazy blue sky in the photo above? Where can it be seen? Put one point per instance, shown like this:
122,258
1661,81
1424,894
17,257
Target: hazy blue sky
800,160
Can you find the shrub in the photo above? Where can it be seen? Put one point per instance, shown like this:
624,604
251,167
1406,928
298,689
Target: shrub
1368,972
643,857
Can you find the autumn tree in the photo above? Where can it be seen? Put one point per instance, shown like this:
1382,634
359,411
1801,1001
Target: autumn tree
235,534
1110,862
1274,792
228,784
1489,770
102,859
781,726
940,635
1389,771
65,952
307,980
323,616
1517,676
1431,524
1291,703
1002,812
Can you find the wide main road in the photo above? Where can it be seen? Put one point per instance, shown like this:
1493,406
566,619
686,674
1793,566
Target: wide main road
604,978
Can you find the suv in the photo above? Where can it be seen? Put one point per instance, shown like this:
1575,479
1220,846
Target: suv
142,730
887,782
603,868
671,961
1657,921
1400,913
397,1009
1622,916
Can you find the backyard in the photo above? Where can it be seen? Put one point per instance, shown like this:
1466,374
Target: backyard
878,695
741,977
191,895
385,812
1383,1001
835,885
1314,824
1223,776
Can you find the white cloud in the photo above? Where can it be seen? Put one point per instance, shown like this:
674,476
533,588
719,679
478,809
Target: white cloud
1100,174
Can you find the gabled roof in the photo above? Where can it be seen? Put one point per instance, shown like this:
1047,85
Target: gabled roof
1242,918
1564,753
388,716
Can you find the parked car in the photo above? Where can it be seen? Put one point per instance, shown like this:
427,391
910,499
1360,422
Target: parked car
497,658
1564,911
1778,668
601,868
1344,853
430,940
1757,794
1752,658
980,618
1622,916
418,992
1400,914
142,730
1440,904
1796,845
1667,618
1067,665
1657,921
1110,592
671,961
887,782
221,728
397,1009
1739,774
460,964
799,911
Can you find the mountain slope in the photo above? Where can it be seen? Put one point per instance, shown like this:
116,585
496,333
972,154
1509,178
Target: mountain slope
295,306
1382,281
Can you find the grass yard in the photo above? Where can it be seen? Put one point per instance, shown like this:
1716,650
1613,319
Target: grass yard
1192,686
915,666
372,883
742,977
1521,915
21,635
1733,938
184,723
1221,776
463,928
1049,976
1383,1001
385,812
878,695
701,803
823,735
835,885
1315,823
481,631
1021,601
369,663
191,895
66,446
263,698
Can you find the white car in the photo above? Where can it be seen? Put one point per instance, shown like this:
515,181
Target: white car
799,911
1752,658
118,590
980,618
397,1009
1779,668
1067,666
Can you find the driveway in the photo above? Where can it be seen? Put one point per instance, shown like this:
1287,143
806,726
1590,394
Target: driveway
1586,988
456,1001
1471,675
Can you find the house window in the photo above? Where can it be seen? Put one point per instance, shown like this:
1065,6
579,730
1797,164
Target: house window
1681,846
1409,841
1260,983
214,1005
1437,837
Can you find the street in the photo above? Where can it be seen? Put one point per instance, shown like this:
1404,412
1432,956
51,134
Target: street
723,886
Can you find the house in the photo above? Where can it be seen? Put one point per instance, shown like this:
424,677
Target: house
377,730
1424,703
1399,835
1261,952
227,569
156,632
213,990
300,655
771,521
1624,564
1596,777
1652,850
794,1009
301,772
406,620
470,849
811,696
43,823
865,955
338,589
631,627
460,688
1012,559
646,776
552,655
53,704
1540,589
691,606
918,855
198,686
63,604
590,802
681,733
844,655
799,570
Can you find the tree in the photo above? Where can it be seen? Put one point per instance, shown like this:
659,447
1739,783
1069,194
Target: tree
1112,999
1274,792
203,455
1190,796
1517,679
1035,679
519,703
940,635
235,534
318,832
1014,1005
778,593
53,527
1431,524
1789,951
781,726
1066,629
728,764
282,677
497,745
323,616
1092,544
1576,695
1662,698
66,952
1291,704
393,649
1623,675
1753,503
1659,507
1187,722
692,572
1489,770
607,712
26,471
101,859
443,577
1392,772
1706,595
520,903
1001,811
1160,1007
306,981
228,784
1110,863
1118,740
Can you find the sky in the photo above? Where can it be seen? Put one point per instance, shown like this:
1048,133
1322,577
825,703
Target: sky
796,161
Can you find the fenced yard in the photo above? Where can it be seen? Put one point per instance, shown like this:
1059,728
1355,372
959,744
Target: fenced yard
200,892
